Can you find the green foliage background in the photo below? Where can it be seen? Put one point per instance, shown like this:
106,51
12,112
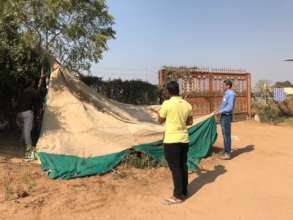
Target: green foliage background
17,63
135,92
33,32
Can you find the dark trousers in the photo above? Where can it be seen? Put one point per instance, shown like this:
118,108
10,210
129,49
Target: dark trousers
226,121
176,156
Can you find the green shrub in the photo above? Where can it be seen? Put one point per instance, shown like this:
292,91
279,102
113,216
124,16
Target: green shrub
139,160
268,112
135,92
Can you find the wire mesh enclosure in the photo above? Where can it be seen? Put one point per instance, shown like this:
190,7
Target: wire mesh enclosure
203,88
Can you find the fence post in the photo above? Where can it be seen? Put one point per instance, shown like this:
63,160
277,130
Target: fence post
161,77
211,99
249,95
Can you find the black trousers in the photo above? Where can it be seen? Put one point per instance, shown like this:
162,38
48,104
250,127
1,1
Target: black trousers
176,156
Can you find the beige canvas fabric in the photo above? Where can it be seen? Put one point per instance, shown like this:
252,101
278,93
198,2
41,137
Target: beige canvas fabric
78,121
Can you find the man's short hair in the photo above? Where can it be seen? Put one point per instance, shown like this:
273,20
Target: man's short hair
228,83
173,88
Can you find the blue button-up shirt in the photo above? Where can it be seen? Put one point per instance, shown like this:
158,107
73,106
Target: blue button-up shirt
228,102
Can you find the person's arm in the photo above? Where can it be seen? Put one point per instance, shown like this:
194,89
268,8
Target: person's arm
36,100
189,120
160,119
162,114
42,78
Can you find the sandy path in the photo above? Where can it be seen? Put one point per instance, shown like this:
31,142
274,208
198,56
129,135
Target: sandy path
255,185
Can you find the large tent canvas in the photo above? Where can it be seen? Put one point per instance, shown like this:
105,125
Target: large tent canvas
84,133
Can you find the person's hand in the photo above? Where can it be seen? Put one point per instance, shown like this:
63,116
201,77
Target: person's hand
216,113
155,111
186,95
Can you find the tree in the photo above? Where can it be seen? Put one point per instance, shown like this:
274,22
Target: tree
283,84
262,87
17,62
75,32
31,31
135,92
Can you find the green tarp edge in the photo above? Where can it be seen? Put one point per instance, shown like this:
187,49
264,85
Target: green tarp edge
202,137
68,167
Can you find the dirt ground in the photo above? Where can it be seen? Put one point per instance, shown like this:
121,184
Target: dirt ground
255,185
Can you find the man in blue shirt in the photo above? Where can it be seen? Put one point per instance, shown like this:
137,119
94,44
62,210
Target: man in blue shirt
226,112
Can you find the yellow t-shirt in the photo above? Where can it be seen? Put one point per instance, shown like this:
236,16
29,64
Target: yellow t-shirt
176,111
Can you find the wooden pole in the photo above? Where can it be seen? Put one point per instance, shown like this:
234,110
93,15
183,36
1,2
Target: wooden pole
162,78
211,99
249,95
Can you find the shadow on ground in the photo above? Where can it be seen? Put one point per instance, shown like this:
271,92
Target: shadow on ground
236,151
205,177
10,147
209,176
247,149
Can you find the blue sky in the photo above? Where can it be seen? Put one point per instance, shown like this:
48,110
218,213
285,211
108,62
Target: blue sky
255,35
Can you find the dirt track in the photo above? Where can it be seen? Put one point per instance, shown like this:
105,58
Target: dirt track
255,185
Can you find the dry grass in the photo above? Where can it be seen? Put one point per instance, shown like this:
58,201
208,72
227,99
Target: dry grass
287,121
17,186
7,183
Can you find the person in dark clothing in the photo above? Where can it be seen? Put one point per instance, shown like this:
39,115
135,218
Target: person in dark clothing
39,109
28,102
